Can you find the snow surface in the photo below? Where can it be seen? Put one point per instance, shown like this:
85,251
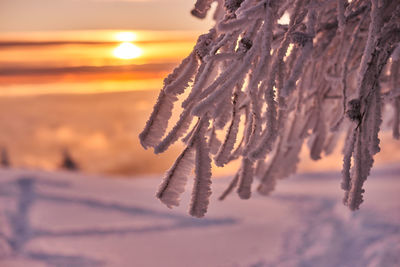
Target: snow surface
73,220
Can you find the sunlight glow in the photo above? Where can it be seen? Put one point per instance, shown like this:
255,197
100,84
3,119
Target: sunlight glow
127,51
285,19
125,36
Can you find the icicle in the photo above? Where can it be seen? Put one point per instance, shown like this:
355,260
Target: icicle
174,183
202,183
179,85
158,121
270,132
242,106
214,142
376,120
199,82
177,72
362,164
230,139
268,179
174,84
179,129
248,130
348,153
246,178
317,143
256,125
319,136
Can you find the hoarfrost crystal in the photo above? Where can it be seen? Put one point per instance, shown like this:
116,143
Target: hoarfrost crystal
268,85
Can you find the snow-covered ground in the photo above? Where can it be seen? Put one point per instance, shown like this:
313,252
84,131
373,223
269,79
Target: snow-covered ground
73,220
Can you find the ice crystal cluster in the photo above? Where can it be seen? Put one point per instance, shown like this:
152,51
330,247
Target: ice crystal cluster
270,76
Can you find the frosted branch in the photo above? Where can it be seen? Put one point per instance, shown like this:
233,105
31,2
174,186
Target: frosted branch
334,65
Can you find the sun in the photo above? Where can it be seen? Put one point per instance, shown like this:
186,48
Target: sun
127,50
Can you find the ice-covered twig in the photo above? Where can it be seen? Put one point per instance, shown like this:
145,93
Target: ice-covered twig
291,81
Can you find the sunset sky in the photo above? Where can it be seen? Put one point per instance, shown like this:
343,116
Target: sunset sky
89,61
92,45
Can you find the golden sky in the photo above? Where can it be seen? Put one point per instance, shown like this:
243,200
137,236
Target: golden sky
89,61
45,15
83,46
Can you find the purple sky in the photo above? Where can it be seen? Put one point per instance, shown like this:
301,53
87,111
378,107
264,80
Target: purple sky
42,15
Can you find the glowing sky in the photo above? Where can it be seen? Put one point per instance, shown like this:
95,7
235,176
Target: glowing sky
39,15
45,45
